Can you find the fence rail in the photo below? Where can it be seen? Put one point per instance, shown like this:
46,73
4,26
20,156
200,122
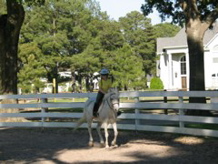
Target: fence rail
133,118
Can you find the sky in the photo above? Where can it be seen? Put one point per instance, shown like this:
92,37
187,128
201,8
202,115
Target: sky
119,8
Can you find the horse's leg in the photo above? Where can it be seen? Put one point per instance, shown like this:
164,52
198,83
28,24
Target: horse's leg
91,143
99,133
106,135
115,134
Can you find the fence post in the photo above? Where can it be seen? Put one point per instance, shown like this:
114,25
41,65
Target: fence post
44,110
181,113
165,101
137,121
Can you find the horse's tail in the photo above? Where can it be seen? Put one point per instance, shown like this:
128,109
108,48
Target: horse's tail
83,119
79,123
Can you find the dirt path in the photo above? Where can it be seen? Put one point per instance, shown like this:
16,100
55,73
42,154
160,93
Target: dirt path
63,146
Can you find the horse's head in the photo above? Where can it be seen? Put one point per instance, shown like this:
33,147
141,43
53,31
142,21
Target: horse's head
114,98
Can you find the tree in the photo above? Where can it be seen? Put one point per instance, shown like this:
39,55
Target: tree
165,30
139,34
61,29
115,53
11,19
10,25
127,68
106,38
31,68
110,36
109,49
198,16
85,64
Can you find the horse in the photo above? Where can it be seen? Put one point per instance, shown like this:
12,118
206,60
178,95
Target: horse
107,114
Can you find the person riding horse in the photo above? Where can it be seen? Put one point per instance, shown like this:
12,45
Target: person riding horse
104,85
107,114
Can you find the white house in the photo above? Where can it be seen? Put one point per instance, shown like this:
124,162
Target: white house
173,65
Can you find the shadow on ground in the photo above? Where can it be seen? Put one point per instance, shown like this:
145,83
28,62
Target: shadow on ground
56,145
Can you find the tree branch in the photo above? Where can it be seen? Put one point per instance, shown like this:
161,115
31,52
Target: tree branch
211,18
183,5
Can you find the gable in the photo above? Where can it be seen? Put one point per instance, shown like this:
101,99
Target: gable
213,44
180,39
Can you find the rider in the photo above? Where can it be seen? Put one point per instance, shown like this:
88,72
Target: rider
104,85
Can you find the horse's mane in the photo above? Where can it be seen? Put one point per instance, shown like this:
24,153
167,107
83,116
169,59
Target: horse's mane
111,91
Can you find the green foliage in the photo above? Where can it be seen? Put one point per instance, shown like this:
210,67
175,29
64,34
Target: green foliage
156,83
127,68
139,34
31,68
60,29
110,36
75,35
166,30
181,11
2,7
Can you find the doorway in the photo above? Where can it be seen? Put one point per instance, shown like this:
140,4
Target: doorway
183,73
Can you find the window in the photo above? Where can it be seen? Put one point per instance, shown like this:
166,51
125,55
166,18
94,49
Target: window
183,65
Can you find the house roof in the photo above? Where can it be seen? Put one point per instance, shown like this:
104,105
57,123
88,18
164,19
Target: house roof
180,40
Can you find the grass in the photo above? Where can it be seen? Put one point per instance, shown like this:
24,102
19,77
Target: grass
202,126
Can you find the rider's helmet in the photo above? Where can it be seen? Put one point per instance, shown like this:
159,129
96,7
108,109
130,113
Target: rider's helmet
104,71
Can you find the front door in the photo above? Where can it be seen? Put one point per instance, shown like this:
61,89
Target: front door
184,83
183,72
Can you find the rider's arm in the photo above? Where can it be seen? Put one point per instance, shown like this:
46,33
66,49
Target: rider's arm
100,87
101,91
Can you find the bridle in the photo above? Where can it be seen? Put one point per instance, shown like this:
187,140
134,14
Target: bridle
111,103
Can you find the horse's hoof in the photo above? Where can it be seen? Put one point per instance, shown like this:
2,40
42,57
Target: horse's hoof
91,144
102,145
107,147
114,146
113,143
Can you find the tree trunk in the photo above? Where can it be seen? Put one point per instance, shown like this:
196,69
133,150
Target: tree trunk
10,26
195,33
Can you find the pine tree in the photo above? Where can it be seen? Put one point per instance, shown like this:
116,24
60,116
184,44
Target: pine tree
139,34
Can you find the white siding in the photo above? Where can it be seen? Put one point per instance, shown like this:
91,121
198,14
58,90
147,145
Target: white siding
211,64
164,76
170,72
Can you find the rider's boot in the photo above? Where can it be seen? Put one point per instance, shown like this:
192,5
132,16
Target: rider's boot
95,110
95,114
119,113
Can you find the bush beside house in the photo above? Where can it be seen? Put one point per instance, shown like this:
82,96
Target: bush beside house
156,83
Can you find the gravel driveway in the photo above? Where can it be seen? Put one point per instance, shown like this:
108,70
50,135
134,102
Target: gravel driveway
56,145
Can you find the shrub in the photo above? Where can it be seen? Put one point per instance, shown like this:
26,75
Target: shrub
156,83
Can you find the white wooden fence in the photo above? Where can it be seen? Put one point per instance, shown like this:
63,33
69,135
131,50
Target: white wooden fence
135,119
